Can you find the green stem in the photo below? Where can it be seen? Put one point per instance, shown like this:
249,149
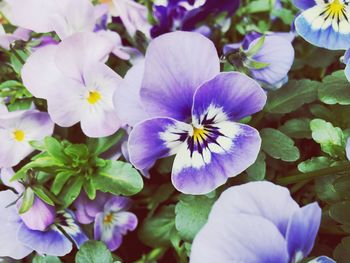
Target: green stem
314,174
20,59
153,256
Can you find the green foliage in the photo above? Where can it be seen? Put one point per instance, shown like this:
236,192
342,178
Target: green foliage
27,200
278,145
335,88
297,128
191,214
257,171
46,259
92,252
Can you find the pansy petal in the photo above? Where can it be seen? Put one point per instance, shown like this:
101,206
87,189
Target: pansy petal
117,203
40,74
126,221
348,149
36,125
239,238
234,94
321,30
304,4
302,230
9,226
127,100
5,175
262,199
79,50
322,259
176,65
107,233
154,139
51,242
231,153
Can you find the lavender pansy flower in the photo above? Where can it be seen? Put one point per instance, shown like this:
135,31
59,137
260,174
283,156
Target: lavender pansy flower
257,222
324,23
24,240
73,74
114,222
267,59
193,111
17,129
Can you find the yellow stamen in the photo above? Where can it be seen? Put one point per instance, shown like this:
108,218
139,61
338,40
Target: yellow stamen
199,134
94,97
108,219
19,135
335,9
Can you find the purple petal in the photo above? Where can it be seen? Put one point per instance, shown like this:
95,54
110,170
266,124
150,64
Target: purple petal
239,238
304,4
234,93
51,242
348,149
127,100
278,52
117,203
176,65
232,152
322,259
302,230
151,140
10,246
6,174
262,199
40,216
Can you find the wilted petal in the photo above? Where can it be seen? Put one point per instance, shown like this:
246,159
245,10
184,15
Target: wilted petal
176,64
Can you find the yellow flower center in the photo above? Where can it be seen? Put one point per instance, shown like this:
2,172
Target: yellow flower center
19,135
199,134
335,9
94,97
108,219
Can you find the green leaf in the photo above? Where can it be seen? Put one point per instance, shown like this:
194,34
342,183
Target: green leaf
10,84
157,230
342,186
77,151
55,149
335,89
342,251
256,48
330,138
297,128
38,190
191,214
101,145
278,145
60,179
46,259
71,191
291,96
27,200
118,178
90,189
340,212
313,164
325,190
93,252
16,62
257,171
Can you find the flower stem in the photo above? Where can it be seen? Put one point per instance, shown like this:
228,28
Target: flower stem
314,174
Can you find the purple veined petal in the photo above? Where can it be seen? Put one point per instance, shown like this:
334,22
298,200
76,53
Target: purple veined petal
262,199
40,216
239,238
322,259
40,74
317,28
80,50
235,94
154,139
117,203
302,230
107,233
278,52
100,10
176,64
229,150
304,4
51,242
348,149
127,100
100,118
126,221
70,226
10,223
5,175
76,16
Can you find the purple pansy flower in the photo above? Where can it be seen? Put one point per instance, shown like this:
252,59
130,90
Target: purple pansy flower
324,23
257,222
193,110
76,83
24,240
268,58
17,129
112,220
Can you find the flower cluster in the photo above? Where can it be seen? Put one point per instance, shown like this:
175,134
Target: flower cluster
130,128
